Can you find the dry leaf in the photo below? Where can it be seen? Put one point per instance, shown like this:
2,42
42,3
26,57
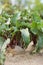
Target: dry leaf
30,47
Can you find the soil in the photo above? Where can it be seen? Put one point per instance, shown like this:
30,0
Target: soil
24,59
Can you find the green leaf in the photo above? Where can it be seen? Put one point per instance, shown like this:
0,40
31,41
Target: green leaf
2,58
34,27
20,24
39,44
36,17
26,36
14,19
40,40
1,41
5,45
2,20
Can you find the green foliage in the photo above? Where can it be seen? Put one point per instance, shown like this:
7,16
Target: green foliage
26,36
2,58
17,18
20,19
1,41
